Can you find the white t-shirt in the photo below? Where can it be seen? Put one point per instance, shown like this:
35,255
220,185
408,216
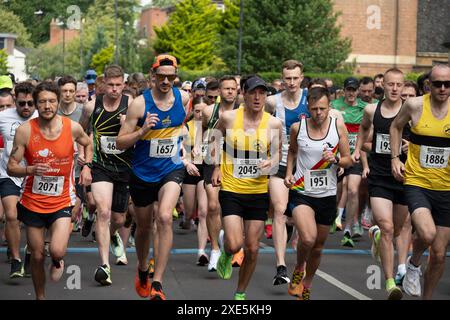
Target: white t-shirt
10,120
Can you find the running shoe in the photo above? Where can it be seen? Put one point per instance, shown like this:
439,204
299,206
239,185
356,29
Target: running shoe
240,296
117,245
131,242
87,226
202,260
306,293
333,228
375,235
295,288
214,257
142,287
394,292
151,268
224,266
47,249
16,269
338,222
357,230
56,271
27,263
156,291
281,277
268,231
399,278
175,213
122,260
103,275
347,240
411,281
366,219
238,258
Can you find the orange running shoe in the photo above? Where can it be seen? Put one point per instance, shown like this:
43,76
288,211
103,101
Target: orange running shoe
143,290
238,258
295,288
151,268
305,294
156,292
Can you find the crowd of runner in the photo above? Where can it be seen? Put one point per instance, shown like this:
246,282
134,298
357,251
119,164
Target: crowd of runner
117,157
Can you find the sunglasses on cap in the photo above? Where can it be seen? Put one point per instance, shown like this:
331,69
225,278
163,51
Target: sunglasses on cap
30,103
439,84
164,60
162,77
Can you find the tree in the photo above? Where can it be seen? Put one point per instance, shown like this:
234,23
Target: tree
164,3
10,23
191,34
274,31
39,25
3,62
102,59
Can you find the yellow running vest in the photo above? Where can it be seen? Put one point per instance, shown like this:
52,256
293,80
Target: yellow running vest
428,164
242,153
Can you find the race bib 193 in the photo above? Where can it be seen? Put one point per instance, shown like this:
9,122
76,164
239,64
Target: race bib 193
163,148
47,185
108,145
246,168
433,157
316,180
383,144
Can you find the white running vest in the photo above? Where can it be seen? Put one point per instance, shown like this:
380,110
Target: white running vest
315,177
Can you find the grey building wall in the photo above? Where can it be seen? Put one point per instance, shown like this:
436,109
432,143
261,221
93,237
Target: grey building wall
433,25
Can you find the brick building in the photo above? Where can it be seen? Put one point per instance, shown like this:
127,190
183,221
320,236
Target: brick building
58,34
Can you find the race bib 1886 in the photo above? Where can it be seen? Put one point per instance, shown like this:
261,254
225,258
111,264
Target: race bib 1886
433,157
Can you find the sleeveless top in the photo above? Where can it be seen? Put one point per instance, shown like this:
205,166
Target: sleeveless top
242,153
428,164
158,152
106,127
288,117
314,176
55,190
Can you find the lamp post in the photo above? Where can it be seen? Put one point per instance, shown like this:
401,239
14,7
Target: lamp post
63,27
116,36
241,21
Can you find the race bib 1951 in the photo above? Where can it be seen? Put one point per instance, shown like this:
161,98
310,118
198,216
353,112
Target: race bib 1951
246,168
163,148
48,186
108,145
433,157
316,180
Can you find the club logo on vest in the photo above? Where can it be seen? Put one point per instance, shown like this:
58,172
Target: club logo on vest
447,130
166,122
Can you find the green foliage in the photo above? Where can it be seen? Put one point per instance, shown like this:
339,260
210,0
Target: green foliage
3,62
412,76
164,3
191,34
274,31
39,25
102,59
11,23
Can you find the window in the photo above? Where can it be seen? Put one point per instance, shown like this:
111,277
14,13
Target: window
2,43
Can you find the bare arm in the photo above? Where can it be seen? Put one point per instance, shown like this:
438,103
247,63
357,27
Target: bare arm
85,141
292,155
364,131
86,114
15,169
128,135
270,105
344,147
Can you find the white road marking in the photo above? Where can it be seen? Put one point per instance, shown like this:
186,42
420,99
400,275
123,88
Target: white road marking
356,294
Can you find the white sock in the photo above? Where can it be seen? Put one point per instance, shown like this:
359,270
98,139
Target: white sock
200,251
340,212
401,268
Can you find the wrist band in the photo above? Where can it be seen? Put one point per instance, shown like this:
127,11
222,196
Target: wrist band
397,156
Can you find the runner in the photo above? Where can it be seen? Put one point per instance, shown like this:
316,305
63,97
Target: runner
47,145
210,117
387,197
10,187
154,125
110,169
314,144
426,176
287,106
252,148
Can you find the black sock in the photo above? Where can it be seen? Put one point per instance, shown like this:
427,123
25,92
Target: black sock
143,276
56,264
157,285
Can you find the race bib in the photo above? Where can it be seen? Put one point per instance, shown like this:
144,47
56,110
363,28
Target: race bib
108,145
48,186
163,148
204,149
317,180
433,157
246,168
383,144
352,140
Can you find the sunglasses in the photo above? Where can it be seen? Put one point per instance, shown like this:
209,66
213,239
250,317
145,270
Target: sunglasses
30,103
162,77
212,97
439,84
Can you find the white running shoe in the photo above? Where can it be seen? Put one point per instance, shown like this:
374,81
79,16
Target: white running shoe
122,260
411,281
56,273
116,245
374,235
213,258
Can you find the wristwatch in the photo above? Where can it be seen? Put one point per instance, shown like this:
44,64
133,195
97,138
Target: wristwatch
88,164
